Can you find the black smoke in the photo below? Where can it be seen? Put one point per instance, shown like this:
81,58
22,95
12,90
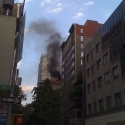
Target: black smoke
53,49
47,29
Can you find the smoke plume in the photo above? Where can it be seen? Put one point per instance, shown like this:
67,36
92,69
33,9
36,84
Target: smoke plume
47,30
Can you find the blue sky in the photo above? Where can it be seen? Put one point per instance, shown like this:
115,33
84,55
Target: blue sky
63,13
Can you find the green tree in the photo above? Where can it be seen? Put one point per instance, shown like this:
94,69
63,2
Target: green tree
46,105
18,93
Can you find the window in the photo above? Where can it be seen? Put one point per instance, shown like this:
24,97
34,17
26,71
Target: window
79,114
107,77
72,56
95,107
89,89
81,62
116,72
72,73
118,100
72,65
89,108
92,53
105,58
81,54
94,86
99,82
88,57
93,69
81,30
88,72
81,46
108,102
72,48
81,38
101,104
98,47
98,64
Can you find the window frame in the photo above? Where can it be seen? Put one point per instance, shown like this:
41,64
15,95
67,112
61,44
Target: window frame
88,57
88,72
101,104
81,30
89,88
98,64
105,60
98,47
81,38
107,80
100,85
94,85
90,108
119,101
109,102
115,72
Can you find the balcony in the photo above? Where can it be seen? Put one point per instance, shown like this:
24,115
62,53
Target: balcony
76,103
75,92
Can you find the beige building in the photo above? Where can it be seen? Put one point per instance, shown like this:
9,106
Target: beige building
105,72
72,53
12,23
43,72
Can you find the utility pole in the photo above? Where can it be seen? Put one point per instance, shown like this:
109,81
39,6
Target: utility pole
11,94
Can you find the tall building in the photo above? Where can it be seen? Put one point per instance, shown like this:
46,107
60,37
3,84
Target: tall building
105,72
72,52
43,72
12,22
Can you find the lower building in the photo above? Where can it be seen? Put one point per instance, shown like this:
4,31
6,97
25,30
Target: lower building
105,72
72,53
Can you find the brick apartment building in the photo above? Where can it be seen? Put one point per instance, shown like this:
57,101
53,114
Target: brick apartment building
72,52
105,72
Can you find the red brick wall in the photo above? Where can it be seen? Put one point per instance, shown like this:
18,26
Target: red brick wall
89,28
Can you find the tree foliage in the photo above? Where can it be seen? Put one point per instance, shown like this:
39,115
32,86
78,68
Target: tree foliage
76,89
46,105
18,92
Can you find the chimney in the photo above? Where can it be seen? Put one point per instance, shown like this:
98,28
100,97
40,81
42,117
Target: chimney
8,6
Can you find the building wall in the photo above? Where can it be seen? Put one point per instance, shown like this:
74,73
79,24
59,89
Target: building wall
108,119
43,72
7,37
11,37
105,94
114,85
72,52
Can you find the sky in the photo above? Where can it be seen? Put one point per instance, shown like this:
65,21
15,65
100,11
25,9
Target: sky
61,14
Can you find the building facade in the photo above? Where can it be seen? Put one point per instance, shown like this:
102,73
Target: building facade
72,52
105,72
12,23
43,72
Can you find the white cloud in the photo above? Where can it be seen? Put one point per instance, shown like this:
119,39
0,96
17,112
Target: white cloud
45,1
78,15
27,87
89,3
107,15
56,10
59,4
